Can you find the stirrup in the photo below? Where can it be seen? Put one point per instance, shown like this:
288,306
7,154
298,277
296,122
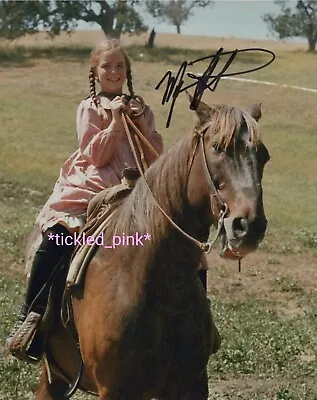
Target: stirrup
23,337
21,317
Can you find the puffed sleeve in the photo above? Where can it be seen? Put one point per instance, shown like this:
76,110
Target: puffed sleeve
97,145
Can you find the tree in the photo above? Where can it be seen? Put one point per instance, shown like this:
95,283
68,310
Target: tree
301,22
150,41
174,12
114,17
18,18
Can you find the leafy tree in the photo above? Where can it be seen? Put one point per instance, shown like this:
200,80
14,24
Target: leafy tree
301,22
18,18
114,17
174,12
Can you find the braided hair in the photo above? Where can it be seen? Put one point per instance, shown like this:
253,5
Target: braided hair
110,44
129,75
92,83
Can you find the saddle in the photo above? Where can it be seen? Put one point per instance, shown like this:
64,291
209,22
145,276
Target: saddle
99,213
31,337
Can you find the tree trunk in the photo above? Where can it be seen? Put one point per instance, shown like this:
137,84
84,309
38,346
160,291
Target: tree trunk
106,23
150,41
312,41
110,32
113,34
178,27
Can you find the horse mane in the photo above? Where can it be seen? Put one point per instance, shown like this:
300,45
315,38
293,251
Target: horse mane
226,124
167,176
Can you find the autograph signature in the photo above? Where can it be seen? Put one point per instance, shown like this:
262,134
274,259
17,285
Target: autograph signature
207,81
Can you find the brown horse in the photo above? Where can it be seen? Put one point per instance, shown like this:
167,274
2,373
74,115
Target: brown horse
143,320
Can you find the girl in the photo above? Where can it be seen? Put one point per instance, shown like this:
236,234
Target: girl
103,153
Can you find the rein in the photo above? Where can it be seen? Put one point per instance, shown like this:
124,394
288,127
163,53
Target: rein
205,246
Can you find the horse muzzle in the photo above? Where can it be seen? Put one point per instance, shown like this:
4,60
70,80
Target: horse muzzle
240,236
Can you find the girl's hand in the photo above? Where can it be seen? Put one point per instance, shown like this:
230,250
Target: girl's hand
136,107
117,105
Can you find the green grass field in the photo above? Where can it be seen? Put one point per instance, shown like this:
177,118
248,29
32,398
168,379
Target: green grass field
267,313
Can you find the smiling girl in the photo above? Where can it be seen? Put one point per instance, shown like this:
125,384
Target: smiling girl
103,153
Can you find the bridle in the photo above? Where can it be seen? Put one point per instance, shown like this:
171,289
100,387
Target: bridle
222,206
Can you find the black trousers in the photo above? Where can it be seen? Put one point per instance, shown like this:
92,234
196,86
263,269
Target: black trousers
49,256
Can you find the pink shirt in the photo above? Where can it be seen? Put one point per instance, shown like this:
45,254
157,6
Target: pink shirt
98,163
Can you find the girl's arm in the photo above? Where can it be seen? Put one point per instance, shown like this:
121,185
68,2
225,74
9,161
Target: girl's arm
97,145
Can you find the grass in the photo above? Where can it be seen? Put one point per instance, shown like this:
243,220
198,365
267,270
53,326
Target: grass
267,314
264,348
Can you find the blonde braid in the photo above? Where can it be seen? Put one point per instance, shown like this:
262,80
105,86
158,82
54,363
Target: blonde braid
131,89
129,75
101,112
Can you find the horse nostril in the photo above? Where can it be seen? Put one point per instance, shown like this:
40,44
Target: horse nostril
240,227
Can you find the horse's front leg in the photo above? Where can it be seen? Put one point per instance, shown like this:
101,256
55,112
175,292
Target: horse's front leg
51,391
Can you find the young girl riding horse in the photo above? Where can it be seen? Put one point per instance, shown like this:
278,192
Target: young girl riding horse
103,153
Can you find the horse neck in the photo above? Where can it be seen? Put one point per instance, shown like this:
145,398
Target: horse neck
169,258
168,181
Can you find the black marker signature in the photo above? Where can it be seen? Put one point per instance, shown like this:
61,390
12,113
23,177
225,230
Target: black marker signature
207,81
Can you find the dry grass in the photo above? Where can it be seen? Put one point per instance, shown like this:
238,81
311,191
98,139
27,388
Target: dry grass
91,38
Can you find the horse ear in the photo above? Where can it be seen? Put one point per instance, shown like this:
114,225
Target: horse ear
255,111
203,111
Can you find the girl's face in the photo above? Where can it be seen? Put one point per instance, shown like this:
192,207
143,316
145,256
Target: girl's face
111,71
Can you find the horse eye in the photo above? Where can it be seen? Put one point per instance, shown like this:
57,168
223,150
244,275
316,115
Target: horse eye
221,185
218,149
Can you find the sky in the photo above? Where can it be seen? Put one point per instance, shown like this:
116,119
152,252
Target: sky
235,18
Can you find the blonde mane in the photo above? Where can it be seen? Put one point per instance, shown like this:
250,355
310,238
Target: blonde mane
226,124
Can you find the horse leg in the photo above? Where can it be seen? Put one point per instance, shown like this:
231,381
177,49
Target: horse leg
51,391
199,390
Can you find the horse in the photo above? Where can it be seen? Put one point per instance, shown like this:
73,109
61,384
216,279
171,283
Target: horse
143,319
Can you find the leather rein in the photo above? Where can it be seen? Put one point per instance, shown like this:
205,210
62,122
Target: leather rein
222,206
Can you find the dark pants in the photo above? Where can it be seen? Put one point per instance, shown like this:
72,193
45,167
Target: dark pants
48,258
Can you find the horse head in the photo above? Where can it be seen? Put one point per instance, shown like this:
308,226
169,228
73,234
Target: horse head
230,169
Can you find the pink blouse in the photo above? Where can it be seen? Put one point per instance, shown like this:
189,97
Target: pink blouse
98,163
